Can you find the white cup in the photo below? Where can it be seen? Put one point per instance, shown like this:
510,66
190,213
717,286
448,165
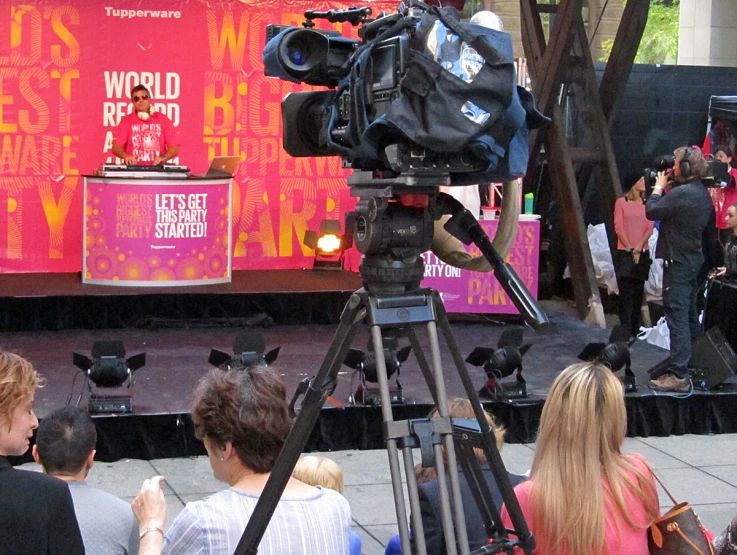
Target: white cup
489,213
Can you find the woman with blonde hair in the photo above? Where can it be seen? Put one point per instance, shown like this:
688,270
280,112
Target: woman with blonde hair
584,494
633,254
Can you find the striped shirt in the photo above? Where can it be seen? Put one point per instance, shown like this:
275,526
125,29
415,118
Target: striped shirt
318,524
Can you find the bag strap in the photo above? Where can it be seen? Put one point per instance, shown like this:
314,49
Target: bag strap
664,488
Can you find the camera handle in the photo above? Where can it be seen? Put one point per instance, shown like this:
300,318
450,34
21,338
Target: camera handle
464,226
420,307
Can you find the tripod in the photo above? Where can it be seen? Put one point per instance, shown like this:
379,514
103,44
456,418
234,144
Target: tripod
392,236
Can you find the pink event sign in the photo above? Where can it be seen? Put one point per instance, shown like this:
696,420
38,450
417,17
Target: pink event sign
149,232
476,292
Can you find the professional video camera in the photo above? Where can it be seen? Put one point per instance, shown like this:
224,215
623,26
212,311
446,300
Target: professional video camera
718,171
420,94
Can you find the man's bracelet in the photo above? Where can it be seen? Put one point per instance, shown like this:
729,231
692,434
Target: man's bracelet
150,529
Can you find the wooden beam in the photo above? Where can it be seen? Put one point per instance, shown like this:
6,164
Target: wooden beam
622,57
578,251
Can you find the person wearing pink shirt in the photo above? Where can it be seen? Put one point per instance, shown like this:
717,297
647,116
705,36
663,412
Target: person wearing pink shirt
145,137
584,495
632,261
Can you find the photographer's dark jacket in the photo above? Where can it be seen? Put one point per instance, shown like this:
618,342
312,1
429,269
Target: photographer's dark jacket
685,213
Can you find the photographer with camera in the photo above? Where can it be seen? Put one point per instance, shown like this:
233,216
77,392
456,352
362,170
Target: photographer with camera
684,215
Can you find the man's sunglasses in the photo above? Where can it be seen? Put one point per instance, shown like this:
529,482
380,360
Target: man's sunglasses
137,98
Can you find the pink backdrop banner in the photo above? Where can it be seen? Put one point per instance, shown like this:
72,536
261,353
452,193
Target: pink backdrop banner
476,292
152,233
66,71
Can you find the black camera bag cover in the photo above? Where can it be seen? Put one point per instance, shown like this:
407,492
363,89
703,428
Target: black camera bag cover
428,110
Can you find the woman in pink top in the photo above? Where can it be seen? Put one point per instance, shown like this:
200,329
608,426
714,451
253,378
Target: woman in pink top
632,261
584,495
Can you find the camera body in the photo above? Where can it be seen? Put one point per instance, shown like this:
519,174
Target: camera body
410,98
717,174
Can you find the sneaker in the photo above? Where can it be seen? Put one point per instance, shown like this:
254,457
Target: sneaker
671,382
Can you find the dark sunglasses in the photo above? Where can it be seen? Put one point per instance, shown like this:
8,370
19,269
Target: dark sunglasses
137,98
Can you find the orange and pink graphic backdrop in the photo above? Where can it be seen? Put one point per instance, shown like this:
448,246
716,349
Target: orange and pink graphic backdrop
149,233
66,70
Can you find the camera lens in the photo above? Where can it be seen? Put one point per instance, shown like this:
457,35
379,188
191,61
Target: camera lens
298,53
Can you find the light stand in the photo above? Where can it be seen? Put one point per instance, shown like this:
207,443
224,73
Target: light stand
109,369
393,300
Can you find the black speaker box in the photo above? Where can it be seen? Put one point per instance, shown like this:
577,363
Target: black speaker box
712,360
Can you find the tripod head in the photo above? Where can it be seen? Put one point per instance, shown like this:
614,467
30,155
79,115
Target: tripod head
393,224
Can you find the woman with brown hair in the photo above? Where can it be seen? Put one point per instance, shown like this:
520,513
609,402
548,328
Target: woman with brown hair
242,417
37,510
584,494
633,254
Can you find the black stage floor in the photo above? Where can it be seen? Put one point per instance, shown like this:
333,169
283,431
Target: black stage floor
176,358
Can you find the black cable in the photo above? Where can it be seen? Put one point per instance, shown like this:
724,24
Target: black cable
71,390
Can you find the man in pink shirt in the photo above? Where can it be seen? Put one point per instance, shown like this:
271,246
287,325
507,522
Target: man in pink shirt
145,136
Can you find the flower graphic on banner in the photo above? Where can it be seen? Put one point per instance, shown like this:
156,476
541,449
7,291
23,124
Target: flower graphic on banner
216,262
102,263
162,274
190,269
133,269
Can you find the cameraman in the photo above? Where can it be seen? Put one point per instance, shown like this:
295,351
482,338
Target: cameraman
684,215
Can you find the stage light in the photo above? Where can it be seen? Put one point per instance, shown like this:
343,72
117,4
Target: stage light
501,362
615,355
248,350
329,244
365,365
108,368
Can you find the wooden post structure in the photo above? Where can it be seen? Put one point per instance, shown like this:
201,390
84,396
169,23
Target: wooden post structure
568,51
546,63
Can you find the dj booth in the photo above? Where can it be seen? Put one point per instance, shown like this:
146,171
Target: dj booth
156,226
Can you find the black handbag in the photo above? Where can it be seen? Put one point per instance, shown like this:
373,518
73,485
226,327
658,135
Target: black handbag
626,267
678,532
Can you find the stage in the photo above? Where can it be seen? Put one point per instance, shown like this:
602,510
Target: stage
177,346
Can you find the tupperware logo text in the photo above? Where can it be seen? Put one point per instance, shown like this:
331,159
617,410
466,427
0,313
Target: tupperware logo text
132,14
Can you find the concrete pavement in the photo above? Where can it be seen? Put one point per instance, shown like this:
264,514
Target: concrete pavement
698,469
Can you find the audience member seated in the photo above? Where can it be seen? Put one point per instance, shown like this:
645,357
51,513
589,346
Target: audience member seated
430,494
584,494
65,448
323,472
242,417
36,511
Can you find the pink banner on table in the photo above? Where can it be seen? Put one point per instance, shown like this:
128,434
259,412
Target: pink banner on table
476,292
145,232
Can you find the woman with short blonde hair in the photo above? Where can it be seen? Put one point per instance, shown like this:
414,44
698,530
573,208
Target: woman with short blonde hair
37,510
584,494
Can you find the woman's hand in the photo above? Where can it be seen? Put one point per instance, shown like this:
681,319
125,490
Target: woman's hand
149,506
636,256
721,271
661,180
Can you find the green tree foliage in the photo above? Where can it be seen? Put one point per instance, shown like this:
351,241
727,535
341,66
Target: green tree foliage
659,43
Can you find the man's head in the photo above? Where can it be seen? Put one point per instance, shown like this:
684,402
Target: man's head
141,98
65,442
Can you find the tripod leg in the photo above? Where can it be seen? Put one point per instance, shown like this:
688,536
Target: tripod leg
424,366
414,499
391,444
442,408
301,429
490,449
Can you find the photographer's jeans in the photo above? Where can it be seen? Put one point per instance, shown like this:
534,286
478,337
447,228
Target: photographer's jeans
679,303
